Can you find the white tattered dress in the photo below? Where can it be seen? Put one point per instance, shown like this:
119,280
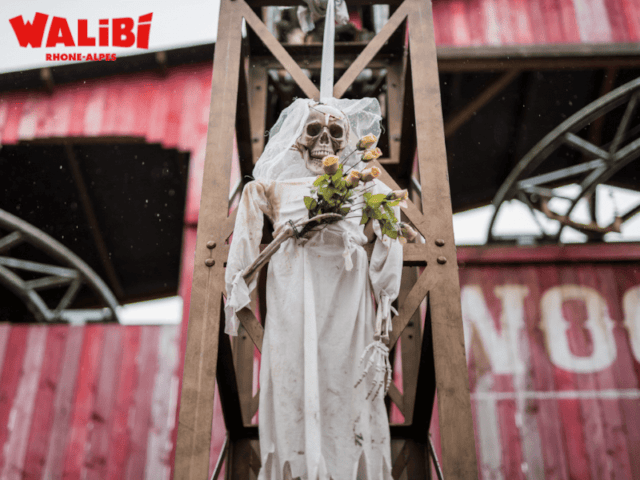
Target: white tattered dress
320,318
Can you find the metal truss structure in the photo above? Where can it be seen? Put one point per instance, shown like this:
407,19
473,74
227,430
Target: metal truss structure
535,177
68,273
433,358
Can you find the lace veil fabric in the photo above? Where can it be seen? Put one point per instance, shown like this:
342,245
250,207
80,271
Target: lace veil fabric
280,162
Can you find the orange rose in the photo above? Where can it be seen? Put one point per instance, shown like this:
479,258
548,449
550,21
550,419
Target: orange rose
353,178
330,164
370,173
371,155
367,142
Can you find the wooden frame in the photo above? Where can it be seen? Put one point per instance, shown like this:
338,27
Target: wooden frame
439,363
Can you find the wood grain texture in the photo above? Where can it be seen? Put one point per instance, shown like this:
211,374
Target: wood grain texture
198,386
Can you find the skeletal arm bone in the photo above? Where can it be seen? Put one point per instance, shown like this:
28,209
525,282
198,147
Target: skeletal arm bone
286,232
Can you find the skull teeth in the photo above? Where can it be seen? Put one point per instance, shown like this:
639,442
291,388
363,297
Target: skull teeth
321,153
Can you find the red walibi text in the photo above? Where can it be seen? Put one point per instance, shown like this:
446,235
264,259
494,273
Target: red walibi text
115,32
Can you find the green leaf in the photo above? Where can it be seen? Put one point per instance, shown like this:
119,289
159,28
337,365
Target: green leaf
326,193
392,234
393,203
378,198
345,210
336,177
365,219
321,179
377,214
367,195
310,203
389,211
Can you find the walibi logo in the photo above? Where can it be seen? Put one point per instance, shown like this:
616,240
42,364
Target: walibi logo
115,32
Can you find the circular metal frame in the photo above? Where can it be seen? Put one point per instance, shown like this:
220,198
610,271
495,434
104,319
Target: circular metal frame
71,273
601,162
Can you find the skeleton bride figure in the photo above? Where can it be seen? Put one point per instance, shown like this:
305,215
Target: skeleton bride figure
317,420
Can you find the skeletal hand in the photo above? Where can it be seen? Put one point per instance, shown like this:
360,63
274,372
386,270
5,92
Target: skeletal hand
378,354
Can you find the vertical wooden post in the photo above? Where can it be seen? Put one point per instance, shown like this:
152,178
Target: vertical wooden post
196,406
452,382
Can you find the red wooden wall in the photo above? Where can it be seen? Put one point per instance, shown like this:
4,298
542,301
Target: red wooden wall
553,345
100,401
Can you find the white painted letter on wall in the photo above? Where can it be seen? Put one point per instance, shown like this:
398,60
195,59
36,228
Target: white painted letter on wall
555,327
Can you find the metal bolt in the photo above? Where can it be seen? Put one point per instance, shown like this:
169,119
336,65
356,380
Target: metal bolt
255,139
439,242
209,262
396,138
442,260
211,244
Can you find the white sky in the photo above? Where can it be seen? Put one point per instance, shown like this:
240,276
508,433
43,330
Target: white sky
179,23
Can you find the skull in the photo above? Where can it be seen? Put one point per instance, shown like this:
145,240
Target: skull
325,133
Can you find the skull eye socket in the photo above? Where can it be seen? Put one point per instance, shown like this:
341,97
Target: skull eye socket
336,131
314,129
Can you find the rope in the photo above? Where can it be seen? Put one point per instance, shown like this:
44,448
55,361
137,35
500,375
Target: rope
296,233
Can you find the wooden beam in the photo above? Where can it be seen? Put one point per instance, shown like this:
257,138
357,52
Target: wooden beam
573,56
395,104
371,50
277,49
198,385
258,84
408,130
451,125
456,425
96,231
410,346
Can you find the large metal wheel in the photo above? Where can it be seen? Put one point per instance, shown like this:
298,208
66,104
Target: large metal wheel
534,179
26,279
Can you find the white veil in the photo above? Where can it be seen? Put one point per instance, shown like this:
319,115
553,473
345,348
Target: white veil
280,162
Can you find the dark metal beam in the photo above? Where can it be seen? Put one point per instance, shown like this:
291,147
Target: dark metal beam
452,124
89,211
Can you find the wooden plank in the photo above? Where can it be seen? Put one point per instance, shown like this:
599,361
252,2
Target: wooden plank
5,332
456,425
163,403
258,85
395,104
243,362
64,403
397,397
260,29
119,431
140,416
10,380
252,326
198,385
411,340
97,445
410,305
592,253
616,458
15,447
371,49
83,401
43,415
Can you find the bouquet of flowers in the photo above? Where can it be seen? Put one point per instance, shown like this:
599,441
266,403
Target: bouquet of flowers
335,192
